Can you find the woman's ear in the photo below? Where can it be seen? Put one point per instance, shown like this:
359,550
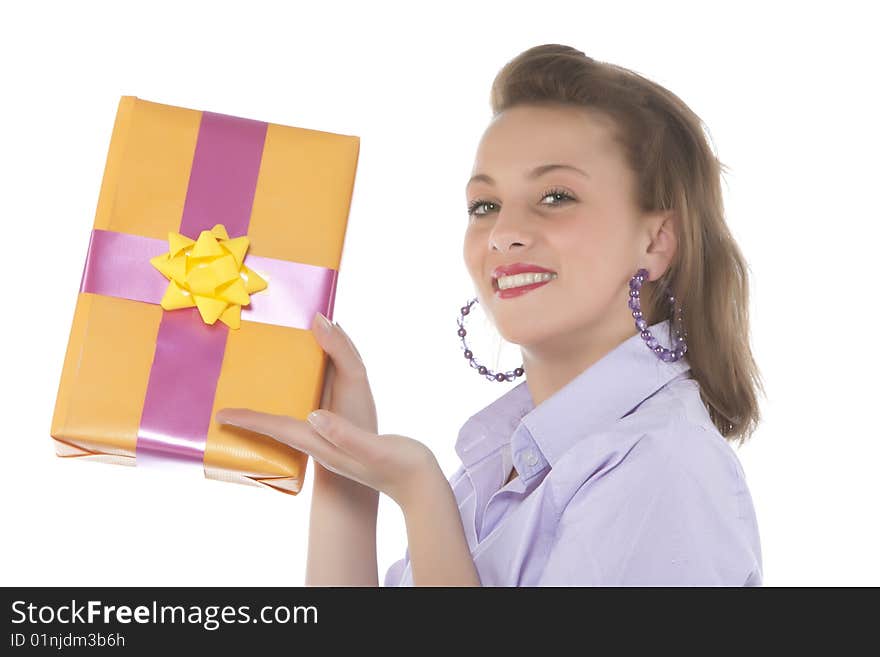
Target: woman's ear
662,239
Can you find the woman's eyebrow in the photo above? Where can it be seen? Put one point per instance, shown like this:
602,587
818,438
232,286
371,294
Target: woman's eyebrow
534,173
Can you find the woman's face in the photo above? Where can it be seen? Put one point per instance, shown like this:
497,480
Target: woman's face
594,241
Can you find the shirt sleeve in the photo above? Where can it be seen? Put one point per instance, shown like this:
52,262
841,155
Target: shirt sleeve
659,521
395,572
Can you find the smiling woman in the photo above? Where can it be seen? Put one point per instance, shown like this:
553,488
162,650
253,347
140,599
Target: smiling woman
590,170
612,463
595,236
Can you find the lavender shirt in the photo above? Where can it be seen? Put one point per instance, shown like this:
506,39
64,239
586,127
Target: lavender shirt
623,480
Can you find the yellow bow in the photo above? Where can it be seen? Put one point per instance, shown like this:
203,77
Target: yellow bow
208,273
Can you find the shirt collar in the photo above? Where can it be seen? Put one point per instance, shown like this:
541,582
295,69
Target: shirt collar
606,391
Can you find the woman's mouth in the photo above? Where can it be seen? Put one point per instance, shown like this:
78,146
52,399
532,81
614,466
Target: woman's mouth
507,287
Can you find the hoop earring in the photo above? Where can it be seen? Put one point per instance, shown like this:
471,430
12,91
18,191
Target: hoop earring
635,284
664,354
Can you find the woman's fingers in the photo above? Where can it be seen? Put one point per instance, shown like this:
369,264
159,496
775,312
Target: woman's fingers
340,348
389,463
288,430
327,393
346,435
351,344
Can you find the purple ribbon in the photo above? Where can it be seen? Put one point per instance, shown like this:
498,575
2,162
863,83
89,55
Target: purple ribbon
118,265
189,353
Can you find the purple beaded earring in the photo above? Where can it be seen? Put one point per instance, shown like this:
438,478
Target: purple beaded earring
664,354
635,284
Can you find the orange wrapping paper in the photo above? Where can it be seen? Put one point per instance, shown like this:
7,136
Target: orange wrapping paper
300,212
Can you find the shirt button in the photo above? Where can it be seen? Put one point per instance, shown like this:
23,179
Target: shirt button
531,457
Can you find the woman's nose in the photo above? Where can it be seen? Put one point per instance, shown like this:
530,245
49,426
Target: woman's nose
511,227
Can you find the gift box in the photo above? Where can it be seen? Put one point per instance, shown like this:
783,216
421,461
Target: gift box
216,239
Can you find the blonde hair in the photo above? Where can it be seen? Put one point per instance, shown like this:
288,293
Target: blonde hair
664,144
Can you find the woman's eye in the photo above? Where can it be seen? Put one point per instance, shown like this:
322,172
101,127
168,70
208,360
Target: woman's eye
559,194
472,208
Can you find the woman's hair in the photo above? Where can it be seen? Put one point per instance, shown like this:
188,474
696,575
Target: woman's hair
664,145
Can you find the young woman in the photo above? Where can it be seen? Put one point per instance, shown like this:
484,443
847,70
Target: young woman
610,463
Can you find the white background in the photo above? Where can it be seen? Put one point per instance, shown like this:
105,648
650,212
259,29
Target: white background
787,92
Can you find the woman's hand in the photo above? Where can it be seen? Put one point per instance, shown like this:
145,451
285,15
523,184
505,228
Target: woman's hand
388,463
346,389
348,445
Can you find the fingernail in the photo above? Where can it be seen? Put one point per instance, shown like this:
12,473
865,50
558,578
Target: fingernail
317,420
325,323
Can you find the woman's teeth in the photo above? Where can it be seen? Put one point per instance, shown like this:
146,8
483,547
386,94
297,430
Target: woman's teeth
518,280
